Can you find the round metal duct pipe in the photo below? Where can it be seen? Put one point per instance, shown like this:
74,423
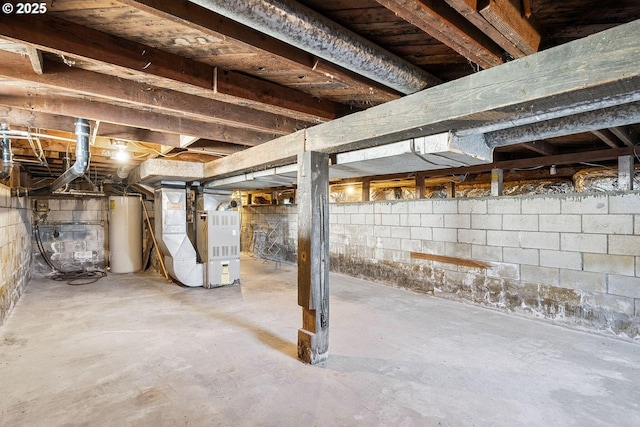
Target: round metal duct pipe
306,29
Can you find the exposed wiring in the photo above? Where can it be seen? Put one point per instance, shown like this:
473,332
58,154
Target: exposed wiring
72,277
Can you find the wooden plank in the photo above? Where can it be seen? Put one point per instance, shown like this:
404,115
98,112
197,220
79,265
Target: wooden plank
199,18
35,56
607,137
77,80
469,9
444,24
627,135
541,147
66,38
73,107
508,20
450,260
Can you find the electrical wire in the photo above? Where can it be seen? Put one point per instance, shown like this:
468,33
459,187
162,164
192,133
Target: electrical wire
72,277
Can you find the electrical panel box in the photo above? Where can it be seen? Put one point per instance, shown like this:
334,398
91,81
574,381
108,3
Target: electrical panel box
218,242
41,206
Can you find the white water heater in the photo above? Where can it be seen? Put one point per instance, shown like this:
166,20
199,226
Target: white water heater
125,234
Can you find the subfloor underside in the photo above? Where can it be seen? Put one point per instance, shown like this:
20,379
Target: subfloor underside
134,350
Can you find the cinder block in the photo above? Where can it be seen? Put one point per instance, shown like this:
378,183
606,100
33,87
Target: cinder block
365,208
591,204
560,223
540,275
624,203
575,242
624,245
478,237
541,205
583,280
520,222
392,243
350,208
612,264
445,234
410,220
486,253
399,207
503,238
636,221
561,259
70,205
445,206
540,240
344,218
432,247
85,215
607,224
504,270
472,206
503,205
432,220
369,219
521,256
391,219
615,303
358,219
382,231
486,222
420,206
410,245
457,221
457,250
94,204
382,207
336,208
401,232
624,286
421,233
59,216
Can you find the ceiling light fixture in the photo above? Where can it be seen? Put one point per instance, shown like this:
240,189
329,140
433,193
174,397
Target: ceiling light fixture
121,154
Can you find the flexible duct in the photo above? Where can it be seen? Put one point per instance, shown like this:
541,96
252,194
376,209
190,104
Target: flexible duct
305,29
171,233
82,156
6,153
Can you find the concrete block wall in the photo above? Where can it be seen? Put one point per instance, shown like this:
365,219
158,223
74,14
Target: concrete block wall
74,233
573,258
15,250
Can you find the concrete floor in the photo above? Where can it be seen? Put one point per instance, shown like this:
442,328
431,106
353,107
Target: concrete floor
133,350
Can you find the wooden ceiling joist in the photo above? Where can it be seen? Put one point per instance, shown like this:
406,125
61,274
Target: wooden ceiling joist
508,20
75,107
626,135
446,25
89,83
607,137
469,9
199,18
138,61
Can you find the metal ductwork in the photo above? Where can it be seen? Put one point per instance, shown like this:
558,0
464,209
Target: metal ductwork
305,29
180,256
82,156
6,153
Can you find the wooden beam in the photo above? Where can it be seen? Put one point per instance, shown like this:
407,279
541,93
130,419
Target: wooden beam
626,134
445,25
507,19
607,137
74,107
541,147
35,56
469,9
598,69
202,19
39,120
450,260
138,61
89,83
